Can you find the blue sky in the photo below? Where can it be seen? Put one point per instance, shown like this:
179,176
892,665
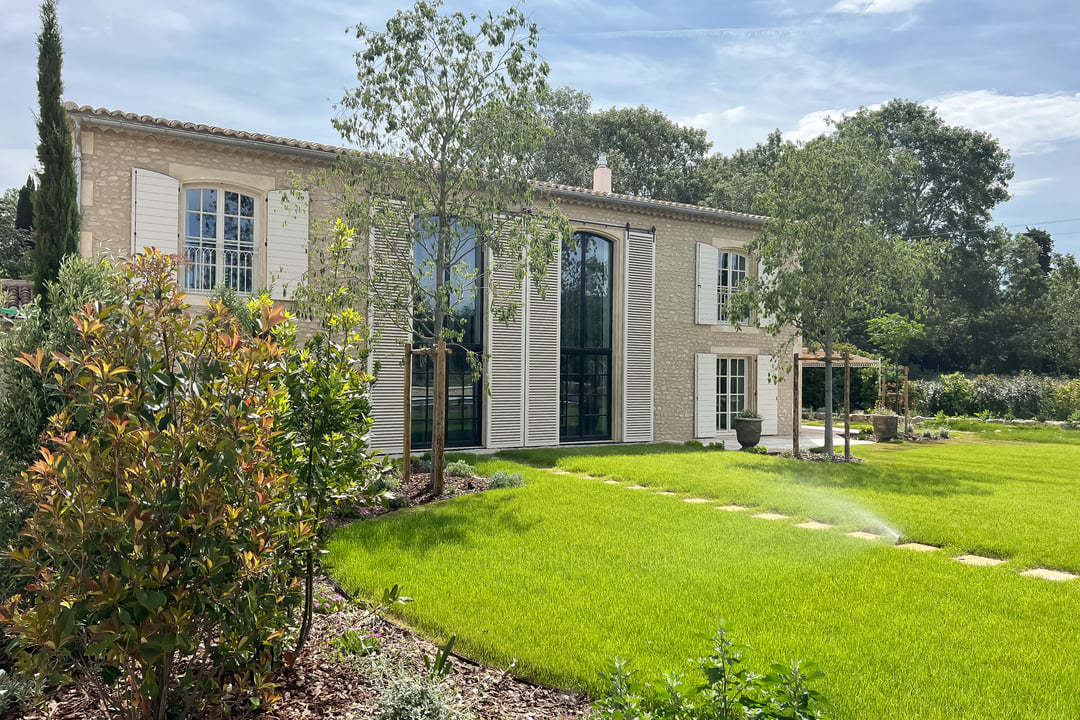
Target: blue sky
737,68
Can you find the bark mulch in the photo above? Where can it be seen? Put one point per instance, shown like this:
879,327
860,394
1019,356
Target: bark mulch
325,683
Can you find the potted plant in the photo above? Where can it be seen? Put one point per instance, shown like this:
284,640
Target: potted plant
885,423
748,428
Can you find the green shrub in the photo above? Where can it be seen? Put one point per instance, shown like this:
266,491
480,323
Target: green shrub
413,697
26,402
17,691
756,450
353,643
730,690
694,444
460,468
502,479
1021,396
165,541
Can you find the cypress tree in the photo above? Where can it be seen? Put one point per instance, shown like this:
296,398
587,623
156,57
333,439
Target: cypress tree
56,205
24,209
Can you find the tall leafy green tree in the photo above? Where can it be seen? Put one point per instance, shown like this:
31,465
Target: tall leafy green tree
56,205
453,99
944,182
827,261
733,182
14,241
568,155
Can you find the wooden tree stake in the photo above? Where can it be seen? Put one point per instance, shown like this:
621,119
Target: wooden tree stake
406,440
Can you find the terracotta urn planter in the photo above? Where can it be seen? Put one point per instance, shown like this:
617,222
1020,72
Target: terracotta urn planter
885,426
748,431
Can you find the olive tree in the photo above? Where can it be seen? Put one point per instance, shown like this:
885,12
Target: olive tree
447,108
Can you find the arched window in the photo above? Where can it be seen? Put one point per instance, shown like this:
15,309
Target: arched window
219,239
585,362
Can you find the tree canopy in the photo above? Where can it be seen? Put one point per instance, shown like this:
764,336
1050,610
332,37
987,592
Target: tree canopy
450,101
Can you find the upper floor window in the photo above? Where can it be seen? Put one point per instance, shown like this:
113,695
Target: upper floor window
219,239
731,272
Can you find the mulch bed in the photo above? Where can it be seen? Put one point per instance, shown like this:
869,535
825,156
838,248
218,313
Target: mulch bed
321,684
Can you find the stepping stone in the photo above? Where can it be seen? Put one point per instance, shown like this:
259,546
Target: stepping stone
918,547
1047,574
665,492
731,508
612,482
813,525
695,501
865,535
979,560
771,516
635,487
560,471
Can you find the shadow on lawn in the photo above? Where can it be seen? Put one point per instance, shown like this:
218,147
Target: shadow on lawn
882,478
549,457
466,522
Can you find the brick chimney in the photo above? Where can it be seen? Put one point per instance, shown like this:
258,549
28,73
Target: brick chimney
601,176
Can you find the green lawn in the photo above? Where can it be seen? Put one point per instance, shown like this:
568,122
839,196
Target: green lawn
568,572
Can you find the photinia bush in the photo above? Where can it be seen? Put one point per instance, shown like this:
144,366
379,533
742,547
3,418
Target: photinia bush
163,549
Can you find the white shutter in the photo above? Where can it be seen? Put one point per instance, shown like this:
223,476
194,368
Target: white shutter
638,337
766,275
705,390
155,212
542,318
505,343
286,241
708,265
387,403
768,400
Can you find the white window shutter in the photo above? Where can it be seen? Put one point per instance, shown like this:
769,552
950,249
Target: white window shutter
708,265
286,241
542,348
155,212
768,399
387,399
505,415
638,337
705,390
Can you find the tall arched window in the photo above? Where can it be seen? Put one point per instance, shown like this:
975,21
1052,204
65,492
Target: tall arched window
585,362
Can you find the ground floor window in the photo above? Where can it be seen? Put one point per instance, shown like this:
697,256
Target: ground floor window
464,402
585,395
730,390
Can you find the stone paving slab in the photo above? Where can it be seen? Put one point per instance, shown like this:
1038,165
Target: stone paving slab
979,560
1047,574
560,471
771,516
731,508
918,547
862,535
696,501
636,487
814,525
612,482
664,492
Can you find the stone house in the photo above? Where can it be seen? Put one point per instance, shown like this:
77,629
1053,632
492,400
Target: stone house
632,342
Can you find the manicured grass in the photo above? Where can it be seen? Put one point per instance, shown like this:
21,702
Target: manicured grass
568,572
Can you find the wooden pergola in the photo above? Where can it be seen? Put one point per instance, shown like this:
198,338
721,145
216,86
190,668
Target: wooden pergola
816,359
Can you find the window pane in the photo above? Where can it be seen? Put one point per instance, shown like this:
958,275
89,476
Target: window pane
230,234
232,203
247,206
209,226
209,201
247,231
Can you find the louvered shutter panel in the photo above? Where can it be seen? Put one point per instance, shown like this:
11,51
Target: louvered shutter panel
705,395
638,337
155,212
708,265
542,345
766,275
505,343
387,393
768,399
286,241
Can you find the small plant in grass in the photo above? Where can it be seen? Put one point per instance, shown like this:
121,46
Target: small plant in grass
503,479
694,444
355,643
460,468
756,450
730,690
422,464
715,445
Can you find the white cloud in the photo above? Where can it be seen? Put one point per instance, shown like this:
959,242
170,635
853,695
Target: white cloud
876,7
733,115
1024,188
813,124
1024,124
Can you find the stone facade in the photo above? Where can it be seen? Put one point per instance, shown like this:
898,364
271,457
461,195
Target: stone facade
110,145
